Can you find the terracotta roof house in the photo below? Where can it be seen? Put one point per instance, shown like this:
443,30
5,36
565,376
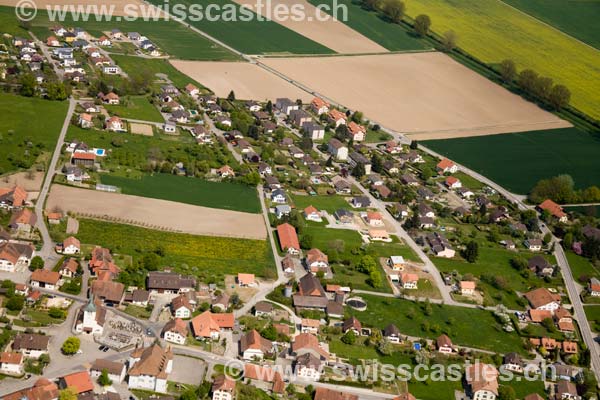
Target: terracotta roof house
316,260
14,254
42,389
255,372
175,331
23,220
69,268
12,197
11,363
445,166
288,239
308,343
467,288
181,307
246,280
322,393
80,381
111,293
223,388
554,209
336,117
45,278
209,325
482,380
253,346
150,368
444,344
225,171
352,324
542,299
319,106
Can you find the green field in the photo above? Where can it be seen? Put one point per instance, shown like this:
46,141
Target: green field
129,155
494,262
465,326
136,107
581,267
391,36
518,161
136,66
325,202
29,127
253,37
578,18
202,256
198,192
593,315
170,36
493,31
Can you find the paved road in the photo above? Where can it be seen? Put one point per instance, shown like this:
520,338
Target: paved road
212,128
47,252
265,289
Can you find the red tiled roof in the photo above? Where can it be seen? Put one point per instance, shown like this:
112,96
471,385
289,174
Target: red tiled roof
552,208
288,237
80,381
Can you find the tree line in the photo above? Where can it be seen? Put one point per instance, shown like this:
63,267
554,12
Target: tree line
561,189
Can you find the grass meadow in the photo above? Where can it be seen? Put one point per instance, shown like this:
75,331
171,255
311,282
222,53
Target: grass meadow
195,191
136,107
493,31
457,322
254,36
202,256
136,66
29,128
393,37
593,315
578,18
171,37
518,161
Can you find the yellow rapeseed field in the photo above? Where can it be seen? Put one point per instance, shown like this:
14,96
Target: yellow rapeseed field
493,31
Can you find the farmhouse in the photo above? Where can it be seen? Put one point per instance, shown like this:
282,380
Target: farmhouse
116,370
23,220
259,376
45,279
554,209
311,294
12,197
175,331
79,381
15,255
446,166
409,281
109,292
482,380
70,246
83,159
69,268
150,368
316,261
169,283
263,309
181,307
467,288
223,388
308,366
254,347
542,299
31,345
288,240
246,280
208,325
11,363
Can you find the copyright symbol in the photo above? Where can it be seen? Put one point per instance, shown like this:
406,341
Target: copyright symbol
26,10
234,369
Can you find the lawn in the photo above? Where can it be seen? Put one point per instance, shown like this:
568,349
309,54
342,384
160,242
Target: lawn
171,37
465,326
136,107
136,67
129,155
581,267
325,202
495,262
202,256
29,127
524,387
391,36
195,191
578,18
252,37
593,315
517,161
137,311
435,390
347,276
493,31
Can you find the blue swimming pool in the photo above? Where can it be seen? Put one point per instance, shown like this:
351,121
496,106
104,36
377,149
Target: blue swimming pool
99,152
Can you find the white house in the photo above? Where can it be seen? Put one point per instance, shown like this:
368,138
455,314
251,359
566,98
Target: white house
71,246
223,388
175,331
397,263
278,196
91,318
150,368
254,347
11,363
337,149
312,214
543,299
308,367
482,380
409,281
181,307
116,370
446,166
31,345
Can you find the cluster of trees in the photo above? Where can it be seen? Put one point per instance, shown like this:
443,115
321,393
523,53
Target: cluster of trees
55,90
561,189
471,251
368,265
543,88
13,302
71,345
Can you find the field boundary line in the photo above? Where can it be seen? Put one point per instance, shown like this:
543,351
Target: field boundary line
548,25
272,55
